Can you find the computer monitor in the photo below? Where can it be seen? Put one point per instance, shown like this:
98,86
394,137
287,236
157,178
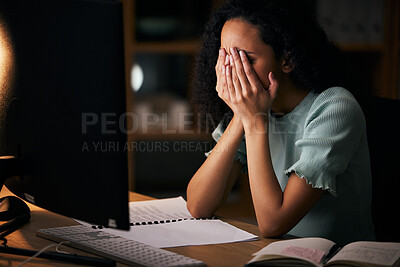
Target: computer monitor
62,106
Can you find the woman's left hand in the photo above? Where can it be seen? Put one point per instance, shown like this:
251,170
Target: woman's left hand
245,94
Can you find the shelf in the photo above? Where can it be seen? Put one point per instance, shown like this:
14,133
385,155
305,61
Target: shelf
184,46
361,47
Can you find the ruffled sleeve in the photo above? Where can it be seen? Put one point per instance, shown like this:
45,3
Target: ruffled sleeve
332,134
240,154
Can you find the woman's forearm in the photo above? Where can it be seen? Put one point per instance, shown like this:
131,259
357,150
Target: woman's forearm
265,189
209,185
277,212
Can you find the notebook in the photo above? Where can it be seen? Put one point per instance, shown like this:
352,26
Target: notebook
166,223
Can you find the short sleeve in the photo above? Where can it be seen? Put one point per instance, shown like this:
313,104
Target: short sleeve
240,154
331,137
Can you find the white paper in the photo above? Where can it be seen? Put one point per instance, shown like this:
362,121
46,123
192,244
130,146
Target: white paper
184,231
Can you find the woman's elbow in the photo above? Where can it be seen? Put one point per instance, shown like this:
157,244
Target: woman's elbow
198,211
272,229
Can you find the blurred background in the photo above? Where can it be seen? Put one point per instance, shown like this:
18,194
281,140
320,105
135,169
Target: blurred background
162,38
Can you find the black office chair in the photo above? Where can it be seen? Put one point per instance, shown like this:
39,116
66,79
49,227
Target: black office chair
383,130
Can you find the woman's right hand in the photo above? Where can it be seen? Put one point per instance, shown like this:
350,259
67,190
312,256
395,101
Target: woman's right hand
211,184
220,67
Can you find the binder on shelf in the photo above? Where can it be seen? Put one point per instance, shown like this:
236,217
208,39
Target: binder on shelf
352,21
375,21
326,14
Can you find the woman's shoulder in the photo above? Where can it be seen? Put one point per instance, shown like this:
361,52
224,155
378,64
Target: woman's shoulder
335,95
335,98
338,104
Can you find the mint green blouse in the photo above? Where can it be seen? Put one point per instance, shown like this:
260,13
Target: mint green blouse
323,140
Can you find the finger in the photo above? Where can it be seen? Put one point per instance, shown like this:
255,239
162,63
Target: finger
273,87
226,60
223,93
230,86
221,55
220,61
219,67
249,71
240,70
235,79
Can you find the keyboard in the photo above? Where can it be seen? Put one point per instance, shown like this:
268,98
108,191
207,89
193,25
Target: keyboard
114,247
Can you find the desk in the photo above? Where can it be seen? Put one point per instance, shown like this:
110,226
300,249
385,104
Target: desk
230,254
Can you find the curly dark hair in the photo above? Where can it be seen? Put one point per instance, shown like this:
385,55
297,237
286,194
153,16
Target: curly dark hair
289,28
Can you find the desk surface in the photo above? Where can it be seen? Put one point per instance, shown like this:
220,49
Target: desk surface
230,254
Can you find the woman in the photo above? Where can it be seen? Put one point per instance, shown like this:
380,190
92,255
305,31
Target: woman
299,135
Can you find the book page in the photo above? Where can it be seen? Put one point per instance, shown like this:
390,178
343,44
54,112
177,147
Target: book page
150,211
309,249
381,253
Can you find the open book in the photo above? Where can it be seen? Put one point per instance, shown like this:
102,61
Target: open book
323,252
167,223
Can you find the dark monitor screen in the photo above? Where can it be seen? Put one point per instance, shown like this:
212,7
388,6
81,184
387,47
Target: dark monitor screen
62,106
